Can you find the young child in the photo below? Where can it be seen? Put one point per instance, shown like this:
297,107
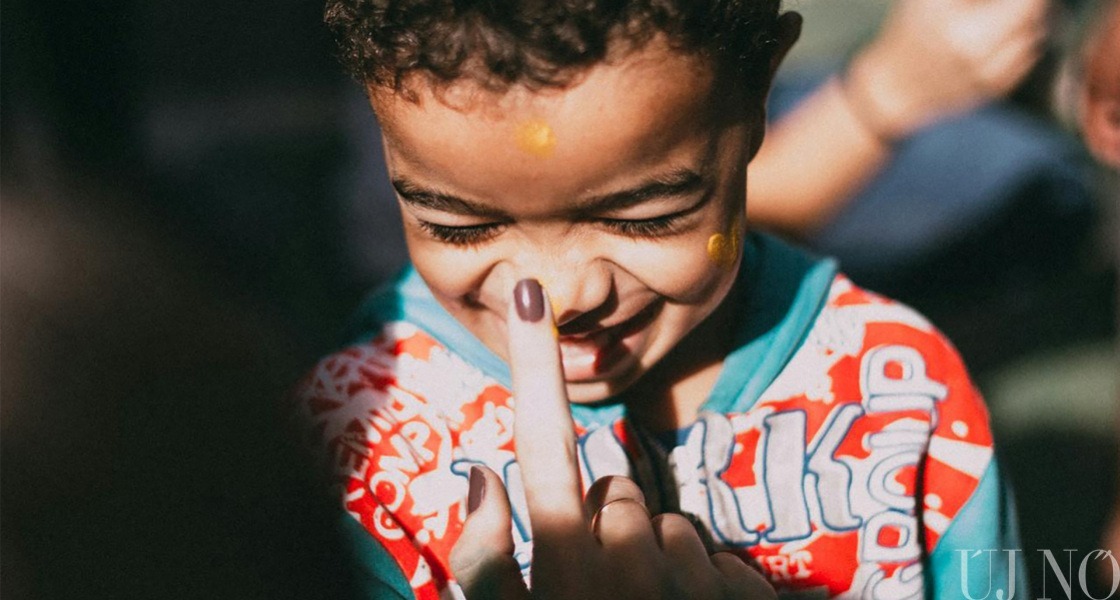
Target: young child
572,179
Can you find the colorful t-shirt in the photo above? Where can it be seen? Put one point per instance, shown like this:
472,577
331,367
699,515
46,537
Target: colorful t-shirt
843,448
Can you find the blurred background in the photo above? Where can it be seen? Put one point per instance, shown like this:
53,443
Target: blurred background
193,200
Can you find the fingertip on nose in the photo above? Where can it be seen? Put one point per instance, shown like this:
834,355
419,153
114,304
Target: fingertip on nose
528,299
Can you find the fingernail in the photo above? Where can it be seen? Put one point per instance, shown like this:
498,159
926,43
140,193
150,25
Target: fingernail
529,300
477,489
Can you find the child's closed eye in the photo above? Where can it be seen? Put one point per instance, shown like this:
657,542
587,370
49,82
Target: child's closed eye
462,235
469,235
655,226
646,228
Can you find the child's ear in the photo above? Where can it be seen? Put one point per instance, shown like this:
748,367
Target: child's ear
788,31
1101,122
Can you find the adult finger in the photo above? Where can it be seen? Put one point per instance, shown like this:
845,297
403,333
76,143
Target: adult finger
1026,15
482,559
742,578
680,543
543,434
629,545
1011,63
609,489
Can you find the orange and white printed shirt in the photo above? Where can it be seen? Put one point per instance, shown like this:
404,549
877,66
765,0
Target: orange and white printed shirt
844,449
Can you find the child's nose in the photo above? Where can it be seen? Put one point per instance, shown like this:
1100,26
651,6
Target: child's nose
576,288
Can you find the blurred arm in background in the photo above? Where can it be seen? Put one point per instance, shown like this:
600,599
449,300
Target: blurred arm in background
930,59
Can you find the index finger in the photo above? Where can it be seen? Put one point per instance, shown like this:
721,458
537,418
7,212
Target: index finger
543,434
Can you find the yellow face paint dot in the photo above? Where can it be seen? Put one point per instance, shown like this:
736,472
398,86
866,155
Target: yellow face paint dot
718,249
536,138
723,249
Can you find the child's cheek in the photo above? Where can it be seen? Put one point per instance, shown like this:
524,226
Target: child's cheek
684,272
450,272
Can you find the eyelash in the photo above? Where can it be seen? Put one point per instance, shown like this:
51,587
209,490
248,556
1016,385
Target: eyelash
464,235
646,228
470,235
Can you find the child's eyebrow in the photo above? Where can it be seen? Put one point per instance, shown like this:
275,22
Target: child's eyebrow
435,200
675,183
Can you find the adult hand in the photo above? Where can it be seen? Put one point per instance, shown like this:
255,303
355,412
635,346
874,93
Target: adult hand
935,57
606,546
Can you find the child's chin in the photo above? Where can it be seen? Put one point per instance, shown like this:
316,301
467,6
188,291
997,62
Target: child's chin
589,393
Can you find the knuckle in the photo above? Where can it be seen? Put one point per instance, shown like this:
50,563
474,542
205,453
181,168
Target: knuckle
615,486
621,521
611,489
677,533
674,522
672,526
624,509
464,561
728,561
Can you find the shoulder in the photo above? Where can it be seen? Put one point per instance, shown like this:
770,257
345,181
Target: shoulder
884,341
868,349
396,388
396,419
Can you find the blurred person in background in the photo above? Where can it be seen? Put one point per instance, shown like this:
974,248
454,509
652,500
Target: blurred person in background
1093,99
164,281
144,439
938,175
145,452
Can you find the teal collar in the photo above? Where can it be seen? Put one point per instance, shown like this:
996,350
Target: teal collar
786,290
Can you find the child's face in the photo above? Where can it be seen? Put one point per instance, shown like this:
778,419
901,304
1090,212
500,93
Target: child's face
623,194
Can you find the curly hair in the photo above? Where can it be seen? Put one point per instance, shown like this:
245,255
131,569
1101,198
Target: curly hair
537,43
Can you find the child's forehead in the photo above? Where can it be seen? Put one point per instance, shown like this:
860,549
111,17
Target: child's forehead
473,92
613,108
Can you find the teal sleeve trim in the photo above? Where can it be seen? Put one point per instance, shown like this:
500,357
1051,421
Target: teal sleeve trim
378,575
786,291
986,524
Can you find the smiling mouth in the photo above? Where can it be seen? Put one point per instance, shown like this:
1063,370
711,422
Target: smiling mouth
596,354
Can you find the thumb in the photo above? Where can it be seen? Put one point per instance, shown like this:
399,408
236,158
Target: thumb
482,560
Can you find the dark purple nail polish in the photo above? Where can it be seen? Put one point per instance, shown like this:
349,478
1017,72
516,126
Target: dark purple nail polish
477,489
529,300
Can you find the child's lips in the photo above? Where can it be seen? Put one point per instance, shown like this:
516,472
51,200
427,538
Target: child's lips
580,356
589,357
